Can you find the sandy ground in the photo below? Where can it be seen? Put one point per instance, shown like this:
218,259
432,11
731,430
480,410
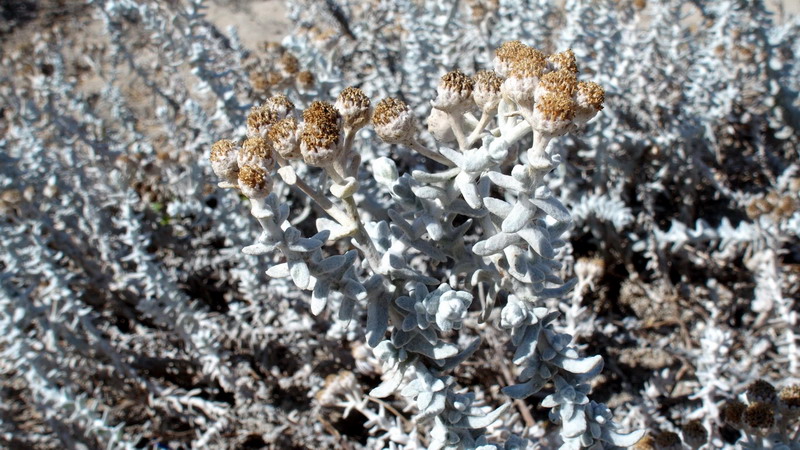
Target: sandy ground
256,20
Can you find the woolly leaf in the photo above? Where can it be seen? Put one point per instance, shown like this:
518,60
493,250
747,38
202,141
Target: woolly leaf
553,208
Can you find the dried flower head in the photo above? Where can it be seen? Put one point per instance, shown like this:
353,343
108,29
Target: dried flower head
255,182
790,400
647,442
319,138
260,119
305,80
289,64
354,106
761,391
336,386
759,415
453,92
554,113
280,105
284,138
223,160
259,81
731,413
507,53
256,151
667,440
563,61
562,81
393,121
694,434
523,76
589,97
486,92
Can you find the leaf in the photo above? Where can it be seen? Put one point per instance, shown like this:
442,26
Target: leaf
623,440
524,390
477,422
299,273
319,297
377,320
539,241
588,365
497,207
576,425
553,207
506,182
494,244
278,271
389,385
257,249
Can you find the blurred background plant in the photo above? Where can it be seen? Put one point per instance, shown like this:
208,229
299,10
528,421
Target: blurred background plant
131,318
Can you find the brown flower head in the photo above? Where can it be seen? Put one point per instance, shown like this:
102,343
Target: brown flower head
554,113
319,138
223,160
731,413
563,61
694,434
256,151
487,89
305,80
589,97
259,121
393,121
289,64
255,182
761,391
284,138
562,81
453,92
759,415
354,106
280,105
667,440
790,400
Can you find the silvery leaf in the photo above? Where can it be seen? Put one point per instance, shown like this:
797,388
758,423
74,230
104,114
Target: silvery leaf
622,440
495,244
588,365
455,361
389,385
299,272
319,297
278,271
524,390
520,216
346,309
436,406
553,207
354,290
575,425
478,422
538,240
305,245
506,182
439,177
257,249
377,320
497,207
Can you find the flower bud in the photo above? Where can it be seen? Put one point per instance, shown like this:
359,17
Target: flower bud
453,92
393,121
259,121
563,61
355,108
486,93
256,151
284,138
553,114
223,161
255,182
319,138
589,98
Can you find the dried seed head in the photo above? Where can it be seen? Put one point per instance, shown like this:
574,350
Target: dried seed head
393,121
790,400
259,121
256,151
667,440
336,386
563,61
508,52
354,106
305,80
453,92
289,64
759,415
694,434
259,81
589,97
280,105
761,391
284,138
486,93
562,81
523,76
554,113
731,413
255,182
319,138
223,160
